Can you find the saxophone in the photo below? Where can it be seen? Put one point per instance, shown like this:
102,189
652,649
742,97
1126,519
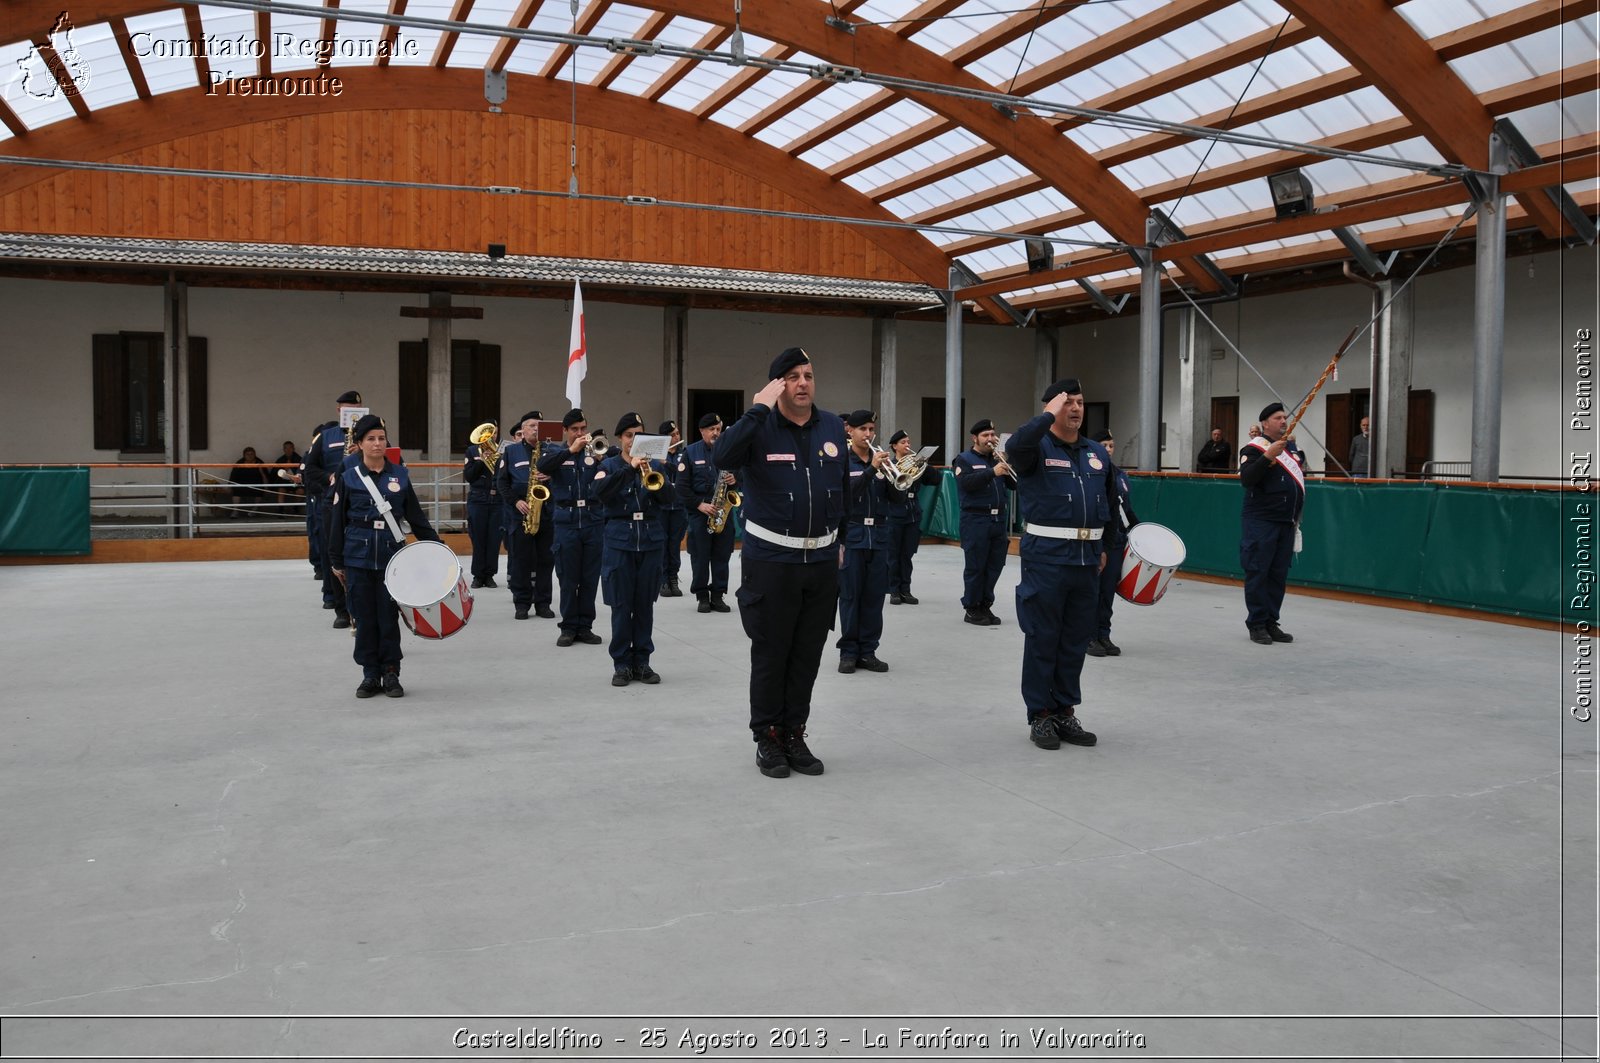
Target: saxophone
538,495
723,499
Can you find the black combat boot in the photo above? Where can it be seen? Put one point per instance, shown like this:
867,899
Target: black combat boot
770,757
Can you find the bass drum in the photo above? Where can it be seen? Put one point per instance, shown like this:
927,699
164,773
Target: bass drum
425,581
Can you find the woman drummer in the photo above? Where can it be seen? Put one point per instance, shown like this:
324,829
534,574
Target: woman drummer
360,544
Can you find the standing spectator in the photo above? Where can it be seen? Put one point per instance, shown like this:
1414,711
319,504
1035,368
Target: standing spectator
1361,450
1216,455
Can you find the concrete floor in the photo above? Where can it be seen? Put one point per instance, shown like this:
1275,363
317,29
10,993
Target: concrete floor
200,819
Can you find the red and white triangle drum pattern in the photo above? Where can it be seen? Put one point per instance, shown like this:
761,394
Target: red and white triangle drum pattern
1149,562
426,582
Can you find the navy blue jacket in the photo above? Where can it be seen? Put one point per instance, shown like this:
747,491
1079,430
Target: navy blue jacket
631,513
795,479
871,499
673,469
1122,517
1066,485
570,478
980,489
698,481
481,486
358,536
324,458
1270,492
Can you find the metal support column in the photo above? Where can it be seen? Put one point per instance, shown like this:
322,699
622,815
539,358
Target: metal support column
1149,450
674,335
952,373
1489,319
1194,389
1391,379
175,400
1045,341
886,375
439,397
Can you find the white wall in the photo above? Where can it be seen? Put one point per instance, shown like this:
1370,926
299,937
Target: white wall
278,358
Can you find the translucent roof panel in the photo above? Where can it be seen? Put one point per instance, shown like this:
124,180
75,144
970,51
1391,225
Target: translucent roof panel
161,42
232,40
1570,44
294,43
1435,19
957,27
417,45
355,43
758,97
474,49
869,132
30,89
107,81
1056,37
1551,123
1006,258
970,181
704,79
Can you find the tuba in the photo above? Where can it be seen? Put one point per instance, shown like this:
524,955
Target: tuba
483,437
723,499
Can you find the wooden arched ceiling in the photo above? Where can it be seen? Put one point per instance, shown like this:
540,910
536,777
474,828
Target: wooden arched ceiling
1384,51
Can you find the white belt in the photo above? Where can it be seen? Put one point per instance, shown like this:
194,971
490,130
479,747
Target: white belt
794,542
1050,531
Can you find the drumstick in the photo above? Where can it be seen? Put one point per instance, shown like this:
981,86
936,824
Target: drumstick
1323,379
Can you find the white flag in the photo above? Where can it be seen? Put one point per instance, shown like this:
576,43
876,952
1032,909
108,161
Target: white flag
577,351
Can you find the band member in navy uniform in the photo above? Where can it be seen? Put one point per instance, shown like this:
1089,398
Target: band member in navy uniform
631,572
1272,470
795,484
579,530
864,578
982,483
708,553
1068,495
517,465
360,545
485,519
324,458
905,531
1116,541
674,521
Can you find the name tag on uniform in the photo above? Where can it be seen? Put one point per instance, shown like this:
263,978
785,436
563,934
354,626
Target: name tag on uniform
520,465
638,516
977,466
569,461
856,472
699,461
780,457
1058,463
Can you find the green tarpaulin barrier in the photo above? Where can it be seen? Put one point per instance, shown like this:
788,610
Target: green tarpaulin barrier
44,512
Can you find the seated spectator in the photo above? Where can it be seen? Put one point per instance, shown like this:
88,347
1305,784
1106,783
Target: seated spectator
249,479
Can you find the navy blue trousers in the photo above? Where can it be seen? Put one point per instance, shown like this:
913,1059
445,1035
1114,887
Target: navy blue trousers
1056,612
863,582
578,556
903,542
332,589
1108,591
787,611
983,545
314,533
484,528
630,582
529,559
377,621
709,554
1266,549
674,522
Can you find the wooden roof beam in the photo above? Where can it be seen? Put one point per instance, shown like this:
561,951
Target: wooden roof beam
1017,26
447,41
197,37
1510,26
793,99
9,119
713,38
587,21
264,34
653,25
729,90
119,30
1142,30
330,28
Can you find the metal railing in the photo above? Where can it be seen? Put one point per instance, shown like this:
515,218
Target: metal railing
157,501
1447,470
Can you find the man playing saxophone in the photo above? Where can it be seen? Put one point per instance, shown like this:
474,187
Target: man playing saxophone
515,479
698,486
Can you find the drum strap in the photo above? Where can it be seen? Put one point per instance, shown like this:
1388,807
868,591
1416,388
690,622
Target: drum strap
383,507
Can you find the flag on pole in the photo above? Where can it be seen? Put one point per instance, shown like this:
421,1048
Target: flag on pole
577,350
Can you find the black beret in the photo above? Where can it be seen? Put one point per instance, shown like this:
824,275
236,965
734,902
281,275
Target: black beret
352,398
1272,408
531,415
1068,386
786,361
898,436
710,420
366,424
572,417
1102,436
667,428
857,418
629,420
982,426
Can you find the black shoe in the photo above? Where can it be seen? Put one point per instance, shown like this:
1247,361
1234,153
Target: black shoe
871,664
1277,634
316,574
645,674
847,665
327,605
718,605
673,590
1259,636
1071,731
705,603
800,757
910,599
1111,648
620,677
341,620
566,638
770,757
369,687
663,591
975,616
589,638
990,618
1096,648
488,581
895,599
1042,732
477,581
391,685
544,611
522,612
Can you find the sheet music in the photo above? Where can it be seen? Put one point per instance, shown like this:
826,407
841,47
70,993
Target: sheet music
349,415
652,447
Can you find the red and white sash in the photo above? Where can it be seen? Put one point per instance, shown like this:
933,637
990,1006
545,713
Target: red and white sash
1290,464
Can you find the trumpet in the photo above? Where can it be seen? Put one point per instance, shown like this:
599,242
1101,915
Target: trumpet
598,445
651,479
483,437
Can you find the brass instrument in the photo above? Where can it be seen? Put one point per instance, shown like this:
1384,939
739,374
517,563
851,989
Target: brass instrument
902,473
538,495
350,444
651,479
598,445
723,499
484,437
998,456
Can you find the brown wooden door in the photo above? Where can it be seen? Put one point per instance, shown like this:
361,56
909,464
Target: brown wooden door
1419,430
1225,415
